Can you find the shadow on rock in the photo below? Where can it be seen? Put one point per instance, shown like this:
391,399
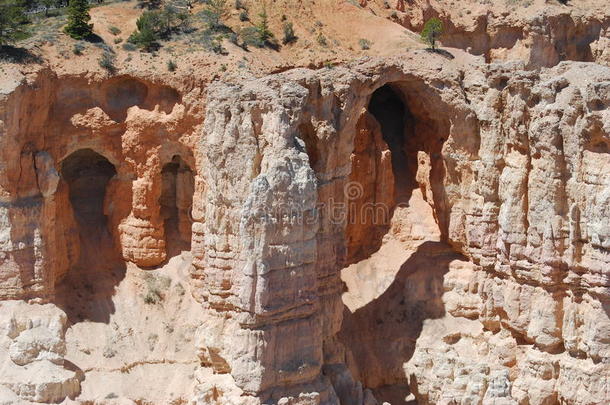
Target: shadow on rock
380,337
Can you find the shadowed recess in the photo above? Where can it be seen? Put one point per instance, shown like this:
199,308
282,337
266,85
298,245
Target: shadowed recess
85,292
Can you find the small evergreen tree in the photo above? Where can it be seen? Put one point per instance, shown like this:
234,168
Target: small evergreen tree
262,28
78,26
149,30
215,13
433,29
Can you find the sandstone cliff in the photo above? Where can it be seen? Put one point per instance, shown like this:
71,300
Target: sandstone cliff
429,227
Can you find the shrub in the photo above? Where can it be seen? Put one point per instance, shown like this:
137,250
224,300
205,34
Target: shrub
365,44
322,40
106,61
118,40
215,13
78,48
243,16
129,47
216,46
171,65
114,30
233,38
289,35
149,4
250,37
239,5
155,287
78,26
156,25
433,29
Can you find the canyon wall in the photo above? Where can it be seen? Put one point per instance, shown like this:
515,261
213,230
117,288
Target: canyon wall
496,177
517,180
541,33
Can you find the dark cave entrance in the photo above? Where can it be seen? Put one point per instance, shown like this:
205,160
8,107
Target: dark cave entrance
396,259
86,290
384,167
396,122
87,174
176,201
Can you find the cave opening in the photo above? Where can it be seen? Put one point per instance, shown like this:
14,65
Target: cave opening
87,174
396,123
176,201
395,258
85,291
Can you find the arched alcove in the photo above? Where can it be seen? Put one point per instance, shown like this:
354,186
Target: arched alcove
87,174
85,291
176,201
395,258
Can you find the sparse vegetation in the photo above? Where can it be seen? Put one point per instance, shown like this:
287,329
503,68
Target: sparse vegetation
171,65
149,4
243,16
78,26
106,61
322,39
156,25
365,44
215,13
114,30
12,21
152,339
433,29
155,287
289,35
78,48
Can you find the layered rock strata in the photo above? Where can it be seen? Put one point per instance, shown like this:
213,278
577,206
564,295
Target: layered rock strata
509,167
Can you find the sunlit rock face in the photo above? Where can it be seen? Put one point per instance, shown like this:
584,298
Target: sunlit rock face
395,228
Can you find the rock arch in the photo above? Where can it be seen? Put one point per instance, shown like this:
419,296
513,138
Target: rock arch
394,233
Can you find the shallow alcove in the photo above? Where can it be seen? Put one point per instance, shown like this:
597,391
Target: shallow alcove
85,291
176,201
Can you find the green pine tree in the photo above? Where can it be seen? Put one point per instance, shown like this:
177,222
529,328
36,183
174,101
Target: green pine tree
78,20
433,29
262,28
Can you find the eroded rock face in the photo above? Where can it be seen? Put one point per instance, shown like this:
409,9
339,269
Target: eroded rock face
541,34
511,198
494,190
